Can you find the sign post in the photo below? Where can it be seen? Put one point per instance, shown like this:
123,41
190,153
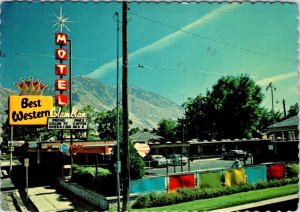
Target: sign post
10,149
26,164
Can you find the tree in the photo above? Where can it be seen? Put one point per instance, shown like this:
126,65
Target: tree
197,122
91,115
166,128
266,118
107,129
107,124
293,110
25,133
137,165
230,110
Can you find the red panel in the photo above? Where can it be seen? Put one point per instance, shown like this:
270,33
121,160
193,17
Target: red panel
61,69
61,100
61,39
276,171
61,84
181,181
61,54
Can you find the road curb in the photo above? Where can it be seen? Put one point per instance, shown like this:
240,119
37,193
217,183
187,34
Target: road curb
18,202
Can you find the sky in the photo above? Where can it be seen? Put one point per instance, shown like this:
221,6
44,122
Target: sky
176,50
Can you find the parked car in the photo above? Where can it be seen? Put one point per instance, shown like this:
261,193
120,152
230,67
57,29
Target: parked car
155,161
236,153
177,159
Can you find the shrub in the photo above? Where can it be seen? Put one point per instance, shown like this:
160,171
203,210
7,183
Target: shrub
190,194
137,165
142,202
86,176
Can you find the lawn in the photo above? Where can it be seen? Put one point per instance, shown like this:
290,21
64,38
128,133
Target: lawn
229,200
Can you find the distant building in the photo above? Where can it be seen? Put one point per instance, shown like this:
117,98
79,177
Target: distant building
146,138
286,130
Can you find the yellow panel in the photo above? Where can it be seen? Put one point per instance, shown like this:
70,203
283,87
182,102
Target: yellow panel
29,110
235,176
227,178
238,176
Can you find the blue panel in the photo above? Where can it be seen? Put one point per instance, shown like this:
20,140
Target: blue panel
148,185
256,174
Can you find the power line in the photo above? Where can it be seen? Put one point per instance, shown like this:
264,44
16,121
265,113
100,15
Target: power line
187,69
46,55
213,40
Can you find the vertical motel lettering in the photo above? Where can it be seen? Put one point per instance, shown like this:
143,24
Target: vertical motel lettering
61,69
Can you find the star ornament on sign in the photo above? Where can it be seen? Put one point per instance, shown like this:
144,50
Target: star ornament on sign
61,21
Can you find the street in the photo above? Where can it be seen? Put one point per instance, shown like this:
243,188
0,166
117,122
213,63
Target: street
196,165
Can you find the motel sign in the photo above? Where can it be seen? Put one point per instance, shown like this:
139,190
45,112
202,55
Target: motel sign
61,69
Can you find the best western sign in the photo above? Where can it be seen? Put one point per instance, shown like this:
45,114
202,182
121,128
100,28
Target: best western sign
29,110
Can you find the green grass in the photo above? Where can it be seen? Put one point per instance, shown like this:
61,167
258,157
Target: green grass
229,200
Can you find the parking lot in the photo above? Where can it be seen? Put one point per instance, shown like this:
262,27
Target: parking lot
196,165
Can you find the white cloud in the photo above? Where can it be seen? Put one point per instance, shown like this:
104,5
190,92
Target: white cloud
167,40
277,78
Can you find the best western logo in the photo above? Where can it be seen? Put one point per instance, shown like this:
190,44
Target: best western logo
29,110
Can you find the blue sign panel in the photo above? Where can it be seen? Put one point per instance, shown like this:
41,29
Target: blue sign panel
64,148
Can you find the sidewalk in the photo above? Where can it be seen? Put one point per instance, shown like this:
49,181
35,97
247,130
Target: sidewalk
7,196
48,199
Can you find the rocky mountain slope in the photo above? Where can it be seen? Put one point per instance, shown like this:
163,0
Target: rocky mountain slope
146,109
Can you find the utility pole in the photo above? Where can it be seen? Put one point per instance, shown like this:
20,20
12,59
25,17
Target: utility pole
271,87
125,166
284,111
118,162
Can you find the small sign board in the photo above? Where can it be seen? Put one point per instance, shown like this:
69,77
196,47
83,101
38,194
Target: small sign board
142,149
64,148
67,123
26,162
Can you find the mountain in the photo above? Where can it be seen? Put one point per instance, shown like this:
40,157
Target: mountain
146,109
4,93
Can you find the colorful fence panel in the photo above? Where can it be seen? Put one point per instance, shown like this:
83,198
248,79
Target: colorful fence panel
181,181
256,174
235,176
275,171
210,179
148,185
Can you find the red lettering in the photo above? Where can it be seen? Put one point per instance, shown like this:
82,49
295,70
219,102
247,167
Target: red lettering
61,84
61,54
61,69
61,100
61,39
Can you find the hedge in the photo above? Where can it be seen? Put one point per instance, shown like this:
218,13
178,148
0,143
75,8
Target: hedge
86,176
190,194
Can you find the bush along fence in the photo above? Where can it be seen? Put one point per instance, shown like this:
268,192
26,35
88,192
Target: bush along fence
213,179
207,183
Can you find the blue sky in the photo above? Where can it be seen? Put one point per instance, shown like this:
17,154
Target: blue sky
175,50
